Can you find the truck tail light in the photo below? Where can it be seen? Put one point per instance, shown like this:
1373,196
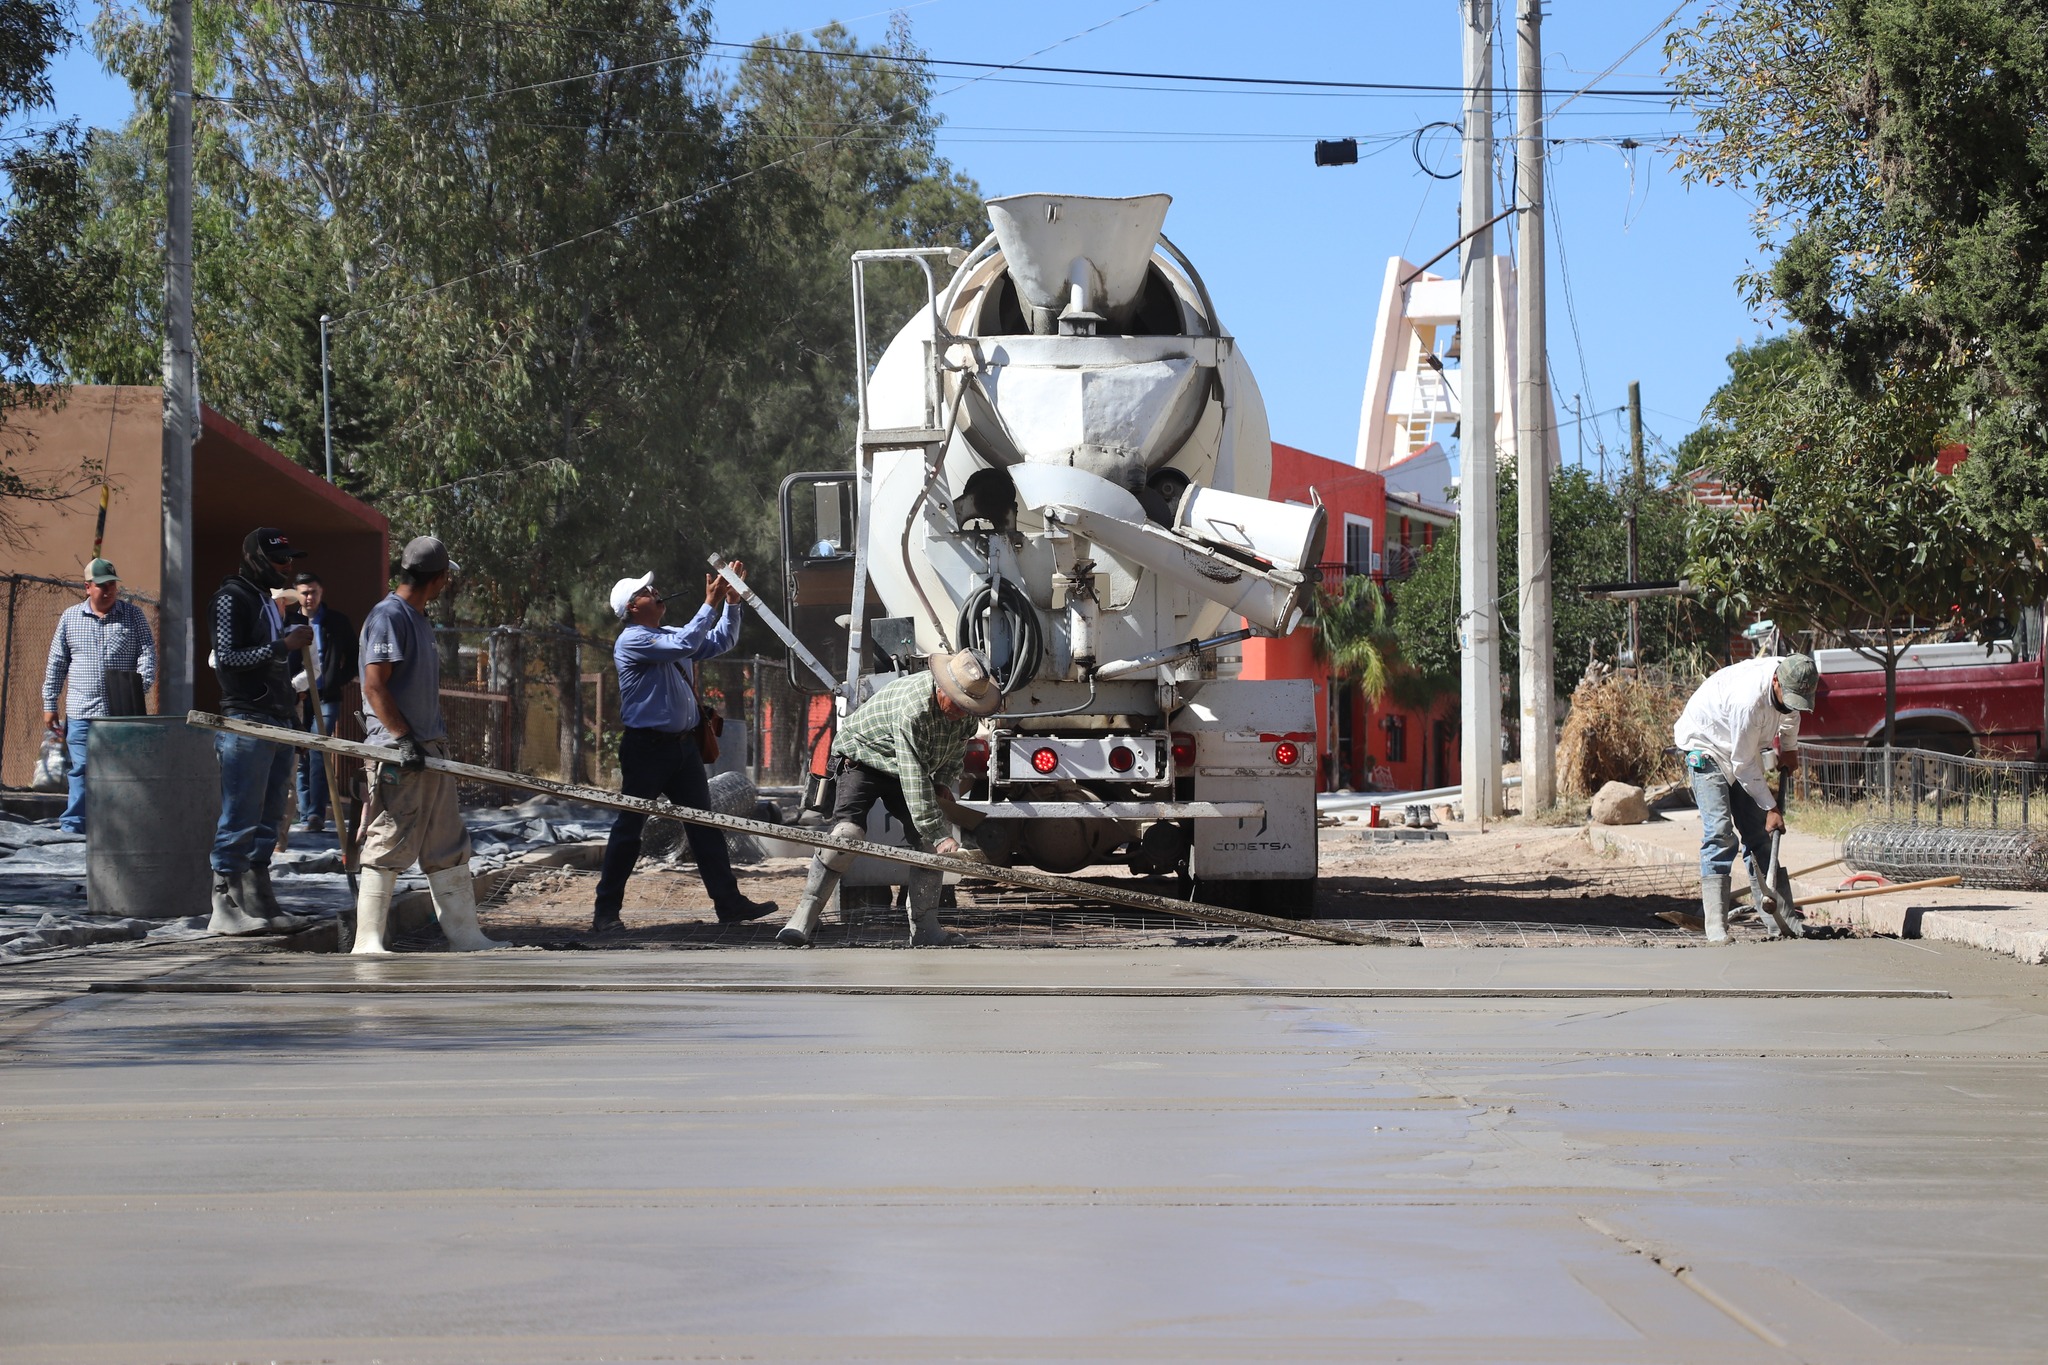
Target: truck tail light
1183,750
1286,753
1122,758
975,761
1045,760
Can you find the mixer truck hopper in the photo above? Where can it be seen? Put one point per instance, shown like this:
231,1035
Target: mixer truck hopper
1063,462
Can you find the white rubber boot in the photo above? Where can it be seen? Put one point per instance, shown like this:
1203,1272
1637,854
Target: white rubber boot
230,916
818,888
925,886
454,893
1714,907
373,910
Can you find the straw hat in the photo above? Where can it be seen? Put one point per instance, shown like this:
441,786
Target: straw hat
964,678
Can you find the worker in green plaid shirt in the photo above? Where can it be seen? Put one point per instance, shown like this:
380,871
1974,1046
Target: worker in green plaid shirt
897,749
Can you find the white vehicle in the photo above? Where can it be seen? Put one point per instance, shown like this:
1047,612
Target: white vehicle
1063,462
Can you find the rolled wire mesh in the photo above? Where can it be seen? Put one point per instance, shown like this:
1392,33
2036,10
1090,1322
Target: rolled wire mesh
2010,859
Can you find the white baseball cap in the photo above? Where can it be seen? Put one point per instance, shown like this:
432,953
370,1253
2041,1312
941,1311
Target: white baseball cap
624,591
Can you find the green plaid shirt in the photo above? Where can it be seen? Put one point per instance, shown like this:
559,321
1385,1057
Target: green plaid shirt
900,730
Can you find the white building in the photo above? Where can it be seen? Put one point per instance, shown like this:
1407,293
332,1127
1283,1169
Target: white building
1411,404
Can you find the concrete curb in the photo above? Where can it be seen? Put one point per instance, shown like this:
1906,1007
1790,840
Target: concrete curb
2011,923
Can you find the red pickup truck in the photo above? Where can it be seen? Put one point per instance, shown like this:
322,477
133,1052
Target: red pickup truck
1961,698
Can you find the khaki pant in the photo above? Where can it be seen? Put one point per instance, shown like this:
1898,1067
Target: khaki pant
417,820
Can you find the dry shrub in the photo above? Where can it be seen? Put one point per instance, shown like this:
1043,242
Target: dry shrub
1618,731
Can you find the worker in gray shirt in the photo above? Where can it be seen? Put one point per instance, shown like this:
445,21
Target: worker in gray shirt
101,637
416,816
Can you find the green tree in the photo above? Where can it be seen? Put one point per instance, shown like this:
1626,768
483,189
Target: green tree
1588,545
588,299
51,279
1847,526
1894,151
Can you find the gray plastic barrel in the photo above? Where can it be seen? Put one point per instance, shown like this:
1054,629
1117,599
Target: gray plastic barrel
152,798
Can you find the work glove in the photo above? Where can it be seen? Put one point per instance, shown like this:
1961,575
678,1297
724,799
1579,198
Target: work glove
414,757
299,681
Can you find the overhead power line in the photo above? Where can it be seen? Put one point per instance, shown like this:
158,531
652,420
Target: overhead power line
1108,73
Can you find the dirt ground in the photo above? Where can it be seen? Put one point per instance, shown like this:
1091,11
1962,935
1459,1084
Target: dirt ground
1532,886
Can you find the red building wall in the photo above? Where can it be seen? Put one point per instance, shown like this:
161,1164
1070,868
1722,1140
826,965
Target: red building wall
1353,738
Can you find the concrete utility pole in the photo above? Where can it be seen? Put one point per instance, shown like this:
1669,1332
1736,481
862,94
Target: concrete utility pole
1478,545
1628,513
181,385
1532,427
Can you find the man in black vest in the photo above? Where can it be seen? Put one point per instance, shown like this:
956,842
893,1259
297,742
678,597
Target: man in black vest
254,656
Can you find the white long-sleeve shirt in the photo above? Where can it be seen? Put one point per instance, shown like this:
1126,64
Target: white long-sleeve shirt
1732,719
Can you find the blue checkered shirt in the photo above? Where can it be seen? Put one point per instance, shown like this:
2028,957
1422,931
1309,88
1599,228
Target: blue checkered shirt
86,646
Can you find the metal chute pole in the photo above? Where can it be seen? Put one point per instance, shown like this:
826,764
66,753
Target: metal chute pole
733,824
773,622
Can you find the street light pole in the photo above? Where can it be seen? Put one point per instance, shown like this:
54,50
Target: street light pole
326,408
1478,548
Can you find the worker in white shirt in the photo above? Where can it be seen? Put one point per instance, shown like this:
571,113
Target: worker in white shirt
1723,731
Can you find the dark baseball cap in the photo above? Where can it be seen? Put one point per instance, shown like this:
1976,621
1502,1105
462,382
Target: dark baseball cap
427,555
273,544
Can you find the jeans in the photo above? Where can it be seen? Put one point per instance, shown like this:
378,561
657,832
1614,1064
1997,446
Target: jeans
254,778
312,765
655,763
1730,822
73,818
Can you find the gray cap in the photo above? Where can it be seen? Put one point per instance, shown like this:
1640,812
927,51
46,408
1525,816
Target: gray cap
1798,679
427,555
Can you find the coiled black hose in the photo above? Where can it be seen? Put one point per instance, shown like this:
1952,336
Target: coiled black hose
1027,640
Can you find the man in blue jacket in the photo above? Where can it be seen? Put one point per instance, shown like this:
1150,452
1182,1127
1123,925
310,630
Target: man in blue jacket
659,708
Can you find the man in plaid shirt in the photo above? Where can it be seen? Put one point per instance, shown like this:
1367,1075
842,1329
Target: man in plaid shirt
100,635
898,748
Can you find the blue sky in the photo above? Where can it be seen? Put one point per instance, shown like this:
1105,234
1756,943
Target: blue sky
1293,253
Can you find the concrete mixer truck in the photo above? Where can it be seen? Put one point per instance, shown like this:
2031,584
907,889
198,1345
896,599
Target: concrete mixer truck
1063,462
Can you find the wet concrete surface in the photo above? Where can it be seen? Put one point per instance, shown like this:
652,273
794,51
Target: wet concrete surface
298,1157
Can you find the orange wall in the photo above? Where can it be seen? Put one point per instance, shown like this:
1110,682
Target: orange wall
1362,493
238,483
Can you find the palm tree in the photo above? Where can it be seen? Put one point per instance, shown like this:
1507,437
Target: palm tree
1354,639
1354,635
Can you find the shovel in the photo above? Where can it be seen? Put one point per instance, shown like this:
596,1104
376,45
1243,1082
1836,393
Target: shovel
1783,913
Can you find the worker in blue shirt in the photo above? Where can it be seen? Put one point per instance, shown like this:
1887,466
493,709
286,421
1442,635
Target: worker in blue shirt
658,754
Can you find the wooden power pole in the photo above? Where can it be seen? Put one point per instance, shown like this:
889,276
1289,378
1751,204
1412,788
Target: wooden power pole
1628,513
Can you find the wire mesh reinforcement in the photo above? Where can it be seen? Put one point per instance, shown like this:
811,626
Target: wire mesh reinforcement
2011,859
550,908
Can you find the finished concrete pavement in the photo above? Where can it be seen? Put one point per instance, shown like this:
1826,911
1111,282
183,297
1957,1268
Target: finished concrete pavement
1161,1155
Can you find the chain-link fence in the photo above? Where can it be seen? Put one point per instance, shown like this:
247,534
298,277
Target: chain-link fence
1921,786
783,724
32,605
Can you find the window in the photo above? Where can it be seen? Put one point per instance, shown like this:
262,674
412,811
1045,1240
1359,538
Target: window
1397,739
1358,555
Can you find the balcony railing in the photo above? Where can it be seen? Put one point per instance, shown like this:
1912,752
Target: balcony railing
1396,563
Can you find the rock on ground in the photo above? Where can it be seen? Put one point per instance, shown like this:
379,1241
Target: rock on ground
1617,803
